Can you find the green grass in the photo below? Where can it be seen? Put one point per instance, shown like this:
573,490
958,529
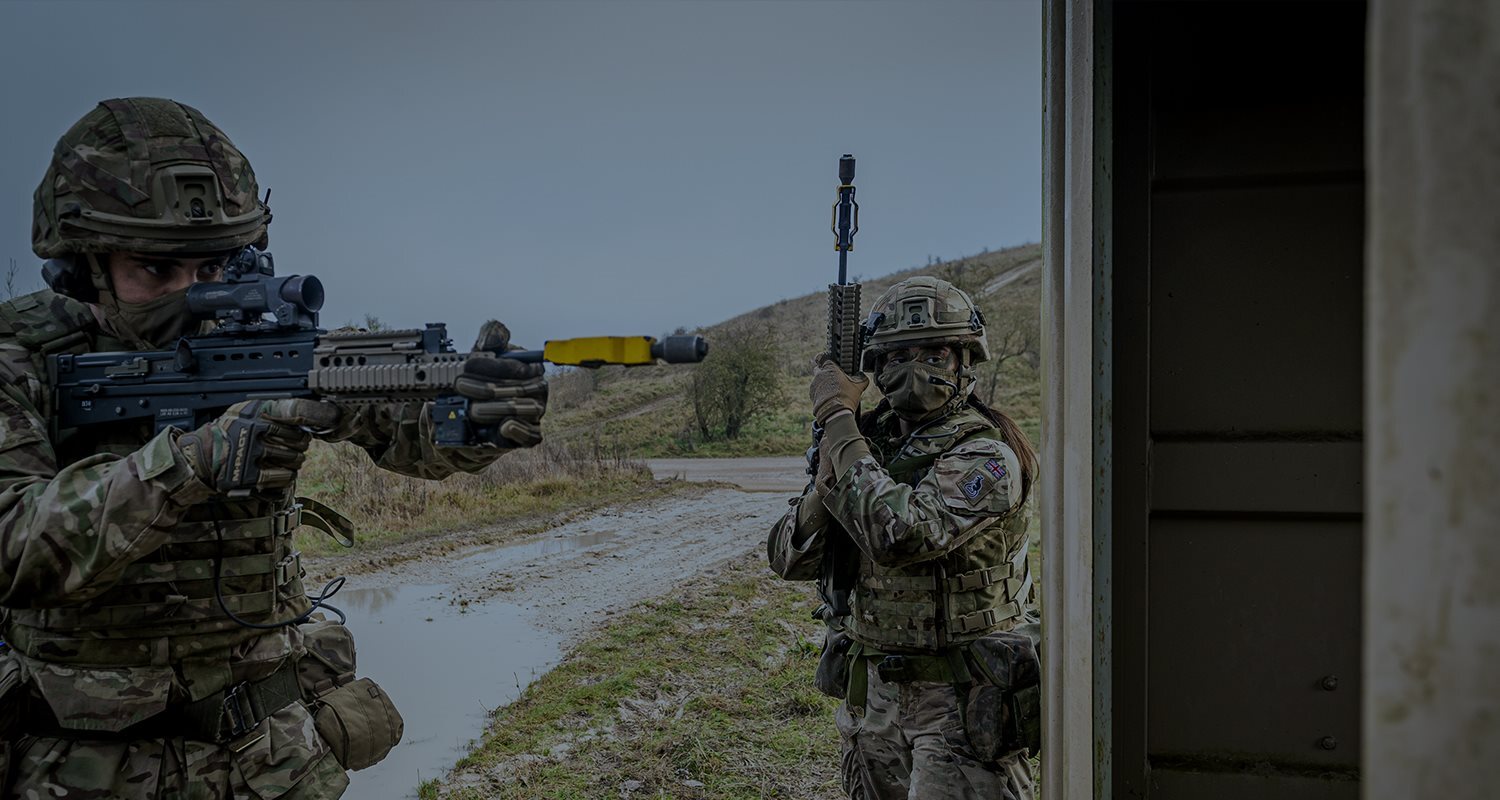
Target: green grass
705,693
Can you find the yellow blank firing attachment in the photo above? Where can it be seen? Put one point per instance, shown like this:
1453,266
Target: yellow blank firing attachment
631,351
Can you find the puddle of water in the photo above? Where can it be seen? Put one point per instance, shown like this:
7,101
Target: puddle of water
445,665
443,669
487,558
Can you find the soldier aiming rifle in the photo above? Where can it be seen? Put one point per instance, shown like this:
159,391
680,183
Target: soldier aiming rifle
158,640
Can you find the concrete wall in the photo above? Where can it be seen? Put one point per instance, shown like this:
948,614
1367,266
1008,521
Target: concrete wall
1067,418
1432,576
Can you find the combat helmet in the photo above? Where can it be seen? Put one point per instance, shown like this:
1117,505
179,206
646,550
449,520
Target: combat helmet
924,311
148,175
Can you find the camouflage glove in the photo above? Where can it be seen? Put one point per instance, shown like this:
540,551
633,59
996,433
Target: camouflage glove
255,446
832,391
504,392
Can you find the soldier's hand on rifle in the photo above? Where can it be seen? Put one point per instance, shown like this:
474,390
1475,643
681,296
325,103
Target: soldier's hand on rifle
504,392
255,446
832,390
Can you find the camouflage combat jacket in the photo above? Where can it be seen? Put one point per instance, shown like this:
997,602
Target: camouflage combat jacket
942,541
109,544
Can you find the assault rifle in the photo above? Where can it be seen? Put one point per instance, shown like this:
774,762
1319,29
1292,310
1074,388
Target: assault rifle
839,568
267,344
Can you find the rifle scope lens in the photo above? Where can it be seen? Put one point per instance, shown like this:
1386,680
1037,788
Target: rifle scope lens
305,291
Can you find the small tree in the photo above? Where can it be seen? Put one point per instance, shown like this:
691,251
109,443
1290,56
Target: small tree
1014,337
737,380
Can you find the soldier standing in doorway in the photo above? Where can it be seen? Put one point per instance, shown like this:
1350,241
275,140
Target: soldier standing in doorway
941,693
158,641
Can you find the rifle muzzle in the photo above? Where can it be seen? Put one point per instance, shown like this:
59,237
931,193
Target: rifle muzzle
680,349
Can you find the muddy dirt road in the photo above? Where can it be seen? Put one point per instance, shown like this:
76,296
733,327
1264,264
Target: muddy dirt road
783,474
456,634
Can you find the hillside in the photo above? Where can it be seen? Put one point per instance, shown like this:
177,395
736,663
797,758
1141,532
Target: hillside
647,411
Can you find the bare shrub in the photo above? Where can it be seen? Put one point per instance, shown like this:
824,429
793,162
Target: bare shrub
571,387
1014,337
739,379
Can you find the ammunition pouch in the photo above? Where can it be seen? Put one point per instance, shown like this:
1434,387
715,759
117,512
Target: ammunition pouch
832,675
1002,709
354,716
359,722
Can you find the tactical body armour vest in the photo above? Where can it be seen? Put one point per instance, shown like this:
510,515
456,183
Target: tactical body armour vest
981,586
160,626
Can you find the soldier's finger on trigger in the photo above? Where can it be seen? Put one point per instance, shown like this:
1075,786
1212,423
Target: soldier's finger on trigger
303,413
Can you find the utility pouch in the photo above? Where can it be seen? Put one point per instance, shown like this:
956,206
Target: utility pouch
354,716
832,676
1003,712
330,657
359,723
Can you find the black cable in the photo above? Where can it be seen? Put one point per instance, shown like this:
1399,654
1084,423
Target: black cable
330,589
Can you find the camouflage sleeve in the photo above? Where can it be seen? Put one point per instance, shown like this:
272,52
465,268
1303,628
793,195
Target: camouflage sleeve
398,437
894,524
68,534
795,546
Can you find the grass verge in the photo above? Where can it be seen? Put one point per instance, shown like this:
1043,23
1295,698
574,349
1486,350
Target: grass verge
703,693
526,484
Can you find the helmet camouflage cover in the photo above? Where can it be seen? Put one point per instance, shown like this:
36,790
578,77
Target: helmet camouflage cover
148,175
924,311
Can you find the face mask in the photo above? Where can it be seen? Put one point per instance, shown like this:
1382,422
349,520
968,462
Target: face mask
154,323
911,391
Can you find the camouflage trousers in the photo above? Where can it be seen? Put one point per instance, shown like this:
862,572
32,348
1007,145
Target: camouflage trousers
282,758
909,744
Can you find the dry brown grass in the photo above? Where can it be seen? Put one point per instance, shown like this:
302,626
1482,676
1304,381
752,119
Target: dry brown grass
540,480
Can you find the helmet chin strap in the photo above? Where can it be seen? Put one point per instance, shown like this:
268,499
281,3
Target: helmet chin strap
966,376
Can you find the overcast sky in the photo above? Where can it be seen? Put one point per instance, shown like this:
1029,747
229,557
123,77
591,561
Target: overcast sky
572,168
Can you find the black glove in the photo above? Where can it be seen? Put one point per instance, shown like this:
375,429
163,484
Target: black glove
255,446
505,393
